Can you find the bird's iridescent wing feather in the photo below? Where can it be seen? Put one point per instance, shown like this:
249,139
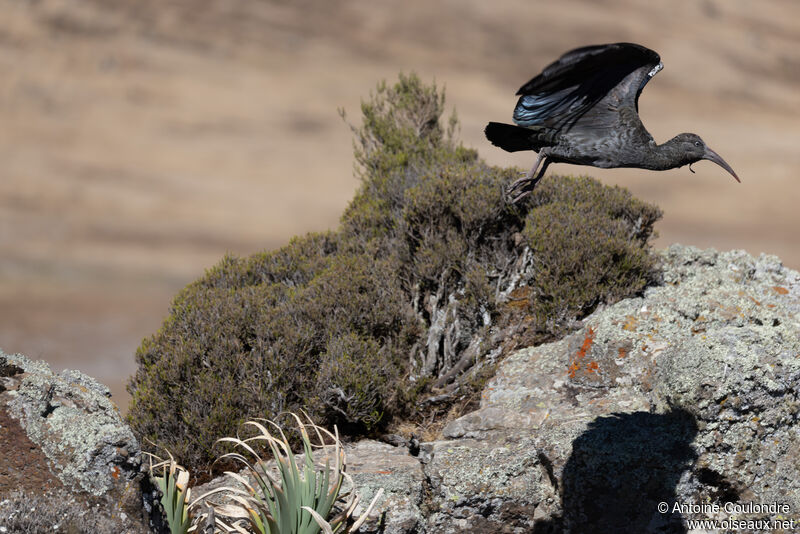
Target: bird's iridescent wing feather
568,92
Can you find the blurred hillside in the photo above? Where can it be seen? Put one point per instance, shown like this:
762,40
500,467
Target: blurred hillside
140,140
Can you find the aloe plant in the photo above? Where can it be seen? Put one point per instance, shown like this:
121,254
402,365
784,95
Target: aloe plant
175,493
301,497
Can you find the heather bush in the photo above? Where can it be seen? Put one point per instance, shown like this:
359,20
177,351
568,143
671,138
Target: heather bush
249,339
589,246
411,299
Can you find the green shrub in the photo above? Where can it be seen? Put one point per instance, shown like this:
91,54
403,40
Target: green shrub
589,244
352,379
407,296
252,347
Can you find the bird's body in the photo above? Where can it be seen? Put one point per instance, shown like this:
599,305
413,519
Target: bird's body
583,109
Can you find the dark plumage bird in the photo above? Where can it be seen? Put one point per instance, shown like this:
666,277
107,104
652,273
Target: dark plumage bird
583,109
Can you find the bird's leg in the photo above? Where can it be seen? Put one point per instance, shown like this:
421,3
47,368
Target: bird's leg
530,174
522,187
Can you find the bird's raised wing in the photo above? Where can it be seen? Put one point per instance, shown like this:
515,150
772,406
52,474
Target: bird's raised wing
567,92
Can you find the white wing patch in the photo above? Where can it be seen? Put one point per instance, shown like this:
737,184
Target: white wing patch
655,70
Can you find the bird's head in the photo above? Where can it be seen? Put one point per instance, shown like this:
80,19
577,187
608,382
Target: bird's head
694,149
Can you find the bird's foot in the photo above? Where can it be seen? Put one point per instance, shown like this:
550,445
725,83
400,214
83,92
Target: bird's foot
513,199
520,188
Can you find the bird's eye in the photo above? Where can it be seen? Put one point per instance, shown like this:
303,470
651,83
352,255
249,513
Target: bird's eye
697,143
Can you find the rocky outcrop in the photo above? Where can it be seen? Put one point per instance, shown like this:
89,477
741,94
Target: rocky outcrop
676,406
687,396
67,462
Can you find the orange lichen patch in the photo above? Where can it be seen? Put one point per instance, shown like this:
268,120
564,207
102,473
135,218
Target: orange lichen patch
630,323
587,343
576,363
780,290
592,366
770,305
622,353
115,471
573,368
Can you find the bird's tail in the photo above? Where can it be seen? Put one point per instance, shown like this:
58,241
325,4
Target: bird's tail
512,138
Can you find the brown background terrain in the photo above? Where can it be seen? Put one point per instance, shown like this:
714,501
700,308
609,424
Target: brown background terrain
140,140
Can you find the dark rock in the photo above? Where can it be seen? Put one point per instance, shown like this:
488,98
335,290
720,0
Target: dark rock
66,448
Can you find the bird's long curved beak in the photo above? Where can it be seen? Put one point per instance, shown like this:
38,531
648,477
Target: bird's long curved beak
713,156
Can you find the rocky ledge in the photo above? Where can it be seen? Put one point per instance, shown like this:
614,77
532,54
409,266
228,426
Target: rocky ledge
68,463
678,405
686,396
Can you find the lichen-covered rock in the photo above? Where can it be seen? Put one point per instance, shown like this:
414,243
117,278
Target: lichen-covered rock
687,395
488,486
375,465
686,398
87,461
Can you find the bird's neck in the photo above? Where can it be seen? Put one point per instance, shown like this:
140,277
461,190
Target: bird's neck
668,155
